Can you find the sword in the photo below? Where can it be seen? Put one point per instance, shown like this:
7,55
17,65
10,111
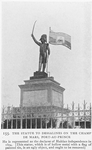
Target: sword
33,26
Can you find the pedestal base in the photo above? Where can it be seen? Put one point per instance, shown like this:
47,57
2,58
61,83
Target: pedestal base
38,74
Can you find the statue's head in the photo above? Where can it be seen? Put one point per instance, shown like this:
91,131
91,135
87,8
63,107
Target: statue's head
43,38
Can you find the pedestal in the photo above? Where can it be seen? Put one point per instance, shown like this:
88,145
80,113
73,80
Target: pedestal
41,90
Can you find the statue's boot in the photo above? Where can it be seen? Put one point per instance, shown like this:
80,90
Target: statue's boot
44,66
40,65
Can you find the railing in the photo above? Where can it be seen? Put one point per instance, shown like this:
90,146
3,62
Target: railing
47,117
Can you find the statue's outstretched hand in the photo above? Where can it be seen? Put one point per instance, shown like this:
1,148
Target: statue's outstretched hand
32,34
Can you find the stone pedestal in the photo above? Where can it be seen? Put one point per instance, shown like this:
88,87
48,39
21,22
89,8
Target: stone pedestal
41,90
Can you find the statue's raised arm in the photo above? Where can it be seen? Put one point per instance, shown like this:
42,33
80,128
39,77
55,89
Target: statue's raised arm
38,43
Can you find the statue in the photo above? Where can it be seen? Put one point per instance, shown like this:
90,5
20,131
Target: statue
44,51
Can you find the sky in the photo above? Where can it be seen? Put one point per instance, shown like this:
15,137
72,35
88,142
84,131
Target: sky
20,55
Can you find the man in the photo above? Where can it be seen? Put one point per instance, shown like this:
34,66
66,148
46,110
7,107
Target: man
44,51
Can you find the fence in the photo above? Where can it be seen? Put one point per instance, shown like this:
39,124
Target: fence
47,117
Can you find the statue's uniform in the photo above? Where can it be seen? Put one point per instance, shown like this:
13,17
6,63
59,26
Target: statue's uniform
43,52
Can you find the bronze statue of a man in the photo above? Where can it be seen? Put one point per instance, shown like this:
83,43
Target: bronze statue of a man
44,51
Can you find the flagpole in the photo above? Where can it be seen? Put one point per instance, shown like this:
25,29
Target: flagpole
47,53
47,65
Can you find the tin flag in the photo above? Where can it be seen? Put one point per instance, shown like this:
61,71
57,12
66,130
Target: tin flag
60,38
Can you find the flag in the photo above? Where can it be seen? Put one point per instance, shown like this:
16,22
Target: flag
60,38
